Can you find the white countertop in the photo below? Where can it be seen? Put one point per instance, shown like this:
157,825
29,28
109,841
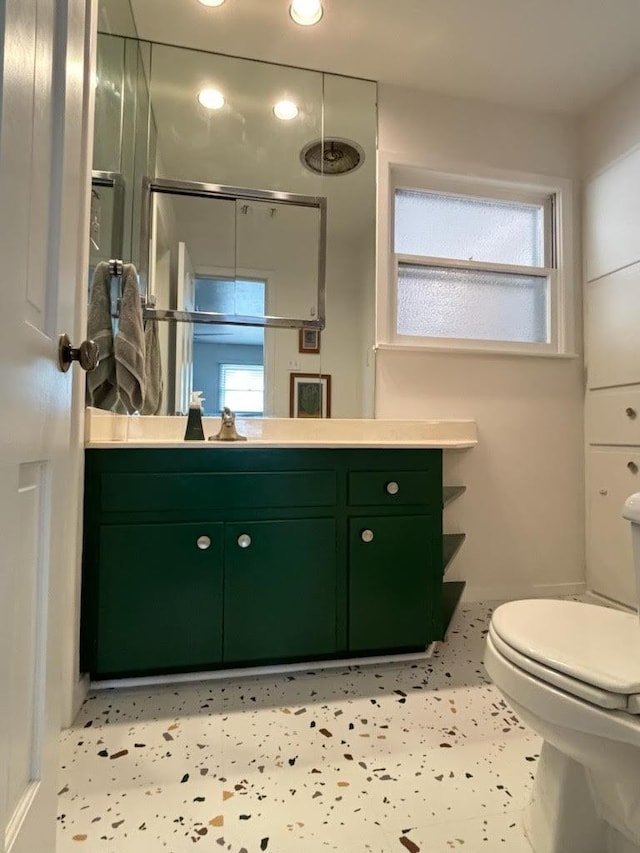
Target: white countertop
106,430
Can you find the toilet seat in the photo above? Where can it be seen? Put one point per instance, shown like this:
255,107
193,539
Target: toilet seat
590,652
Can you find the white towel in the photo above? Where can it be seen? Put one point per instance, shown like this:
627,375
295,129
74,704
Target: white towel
129,344
152,369
102,389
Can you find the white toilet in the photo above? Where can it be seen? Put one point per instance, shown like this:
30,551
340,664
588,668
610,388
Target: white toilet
571,672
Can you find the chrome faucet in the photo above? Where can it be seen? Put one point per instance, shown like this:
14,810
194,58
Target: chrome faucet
228,430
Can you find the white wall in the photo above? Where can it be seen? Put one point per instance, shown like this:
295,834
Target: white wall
611,127
523,511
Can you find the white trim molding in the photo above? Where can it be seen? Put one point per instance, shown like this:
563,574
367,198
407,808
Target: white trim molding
509,592
479,180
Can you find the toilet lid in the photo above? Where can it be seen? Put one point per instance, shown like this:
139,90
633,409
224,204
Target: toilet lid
591,694
596,645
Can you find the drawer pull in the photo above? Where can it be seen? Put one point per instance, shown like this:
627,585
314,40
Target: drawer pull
632,467
393,488
630,413
367,536
244,540
203,542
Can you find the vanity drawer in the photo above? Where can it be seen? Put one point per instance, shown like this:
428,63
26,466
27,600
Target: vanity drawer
158,492
389,488
613,416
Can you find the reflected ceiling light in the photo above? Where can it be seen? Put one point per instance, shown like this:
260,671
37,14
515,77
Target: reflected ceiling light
211,2
306,12
212,99
285,110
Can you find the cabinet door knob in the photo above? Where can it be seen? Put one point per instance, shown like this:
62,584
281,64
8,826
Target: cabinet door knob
630,413
603,492
367,535
203,542
244,540
393,488
632,467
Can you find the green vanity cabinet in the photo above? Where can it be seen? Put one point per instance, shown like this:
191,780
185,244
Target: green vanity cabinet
198,558
280,590
159,597
394,585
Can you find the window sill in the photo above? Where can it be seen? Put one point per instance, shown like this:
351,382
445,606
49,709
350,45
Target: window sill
470,350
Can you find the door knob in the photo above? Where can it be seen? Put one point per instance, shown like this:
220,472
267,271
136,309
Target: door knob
244,540
87,354
203,542
392,488
367,536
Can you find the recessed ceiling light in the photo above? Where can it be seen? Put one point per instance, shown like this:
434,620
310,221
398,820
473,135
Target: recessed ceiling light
306,12
285,110
211,2
212,99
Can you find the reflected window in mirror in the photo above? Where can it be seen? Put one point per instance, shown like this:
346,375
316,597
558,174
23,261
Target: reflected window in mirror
228,360
242,389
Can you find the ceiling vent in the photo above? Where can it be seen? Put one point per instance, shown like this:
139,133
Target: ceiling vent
332,156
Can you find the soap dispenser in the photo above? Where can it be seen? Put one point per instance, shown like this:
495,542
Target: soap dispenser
194,431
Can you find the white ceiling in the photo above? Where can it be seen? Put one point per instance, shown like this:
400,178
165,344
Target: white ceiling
551,54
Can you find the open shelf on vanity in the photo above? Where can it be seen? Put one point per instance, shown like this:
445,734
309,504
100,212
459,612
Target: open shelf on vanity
451,544
451,595
450,493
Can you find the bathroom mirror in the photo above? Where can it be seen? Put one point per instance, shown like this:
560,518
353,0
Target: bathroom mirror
151,122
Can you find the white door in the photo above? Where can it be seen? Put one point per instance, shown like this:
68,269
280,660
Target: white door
43,214
186,301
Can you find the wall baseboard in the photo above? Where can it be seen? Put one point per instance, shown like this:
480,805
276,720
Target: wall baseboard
605,601
508,592
80,690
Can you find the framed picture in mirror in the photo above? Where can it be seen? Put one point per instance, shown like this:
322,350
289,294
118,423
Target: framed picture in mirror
310,395
309,340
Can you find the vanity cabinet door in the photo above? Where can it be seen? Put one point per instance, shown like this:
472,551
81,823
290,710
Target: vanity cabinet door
159,598
394,581
280,590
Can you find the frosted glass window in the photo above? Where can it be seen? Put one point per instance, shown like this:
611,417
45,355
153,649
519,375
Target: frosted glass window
469,229
242,388
440,302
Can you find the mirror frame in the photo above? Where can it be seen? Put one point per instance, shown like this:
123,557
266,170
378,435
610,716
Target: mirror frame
192,188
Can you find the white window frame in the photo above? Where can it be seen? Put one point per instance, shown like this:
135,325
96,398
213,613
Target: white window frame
482,183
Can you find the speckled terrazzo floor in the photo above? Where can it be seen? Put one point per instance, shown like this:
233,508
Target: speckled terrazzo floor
415,757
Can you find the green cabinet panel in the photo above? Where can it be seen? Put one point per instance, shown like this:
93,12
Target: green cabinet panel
394,488
159,598
197,491
280,590
393,582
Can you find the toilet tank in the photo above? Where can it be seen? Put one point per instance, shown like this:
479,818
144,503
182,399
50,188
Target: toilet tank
631,512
